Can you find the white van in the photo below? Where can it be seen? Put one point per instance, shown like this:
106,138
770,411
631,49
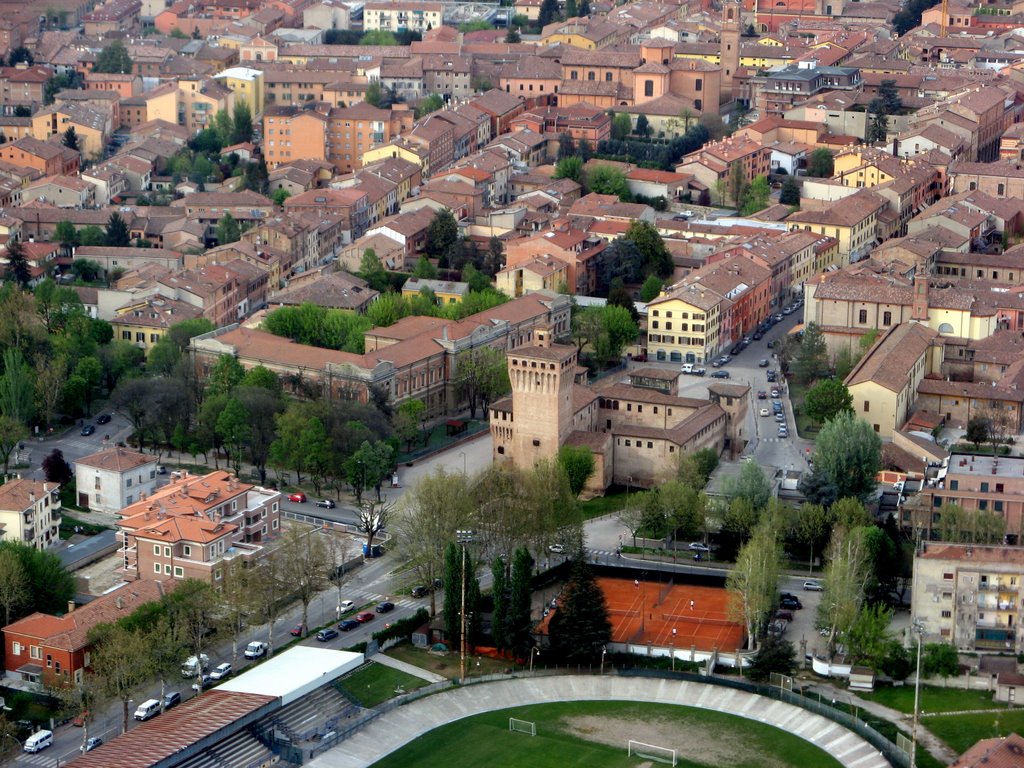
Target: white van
687,368
192,666
147,709
38,740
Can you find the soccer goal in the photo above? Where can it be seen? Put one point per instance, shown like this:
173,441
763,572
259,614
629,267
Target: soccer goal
524,726
652,752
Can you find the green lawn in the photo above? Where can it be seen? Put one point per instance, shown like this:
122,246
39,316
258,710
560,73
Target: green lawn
447,665
932,699
595,734
373,683
961,731
603,505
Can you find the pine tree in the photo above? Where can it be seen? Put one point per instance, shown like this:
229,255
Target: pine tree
17,264
580,629
116,235
499,615
70,139
548,13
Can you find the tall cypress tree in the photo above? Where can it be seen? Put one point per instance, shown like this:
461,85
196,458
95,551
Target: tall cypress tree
499,616
116,235
580,629
452,593
519,622
17,264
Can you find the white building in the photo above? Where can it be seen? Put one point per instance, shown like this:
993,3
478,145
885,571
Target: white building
30,512
114,478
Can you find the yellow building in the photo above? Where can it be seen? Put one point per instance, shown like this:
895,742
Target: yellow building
865,167
161,103
884,383
398,148
852,222
145,322
199,99
445,292
91,127
544,273
683,326
246,84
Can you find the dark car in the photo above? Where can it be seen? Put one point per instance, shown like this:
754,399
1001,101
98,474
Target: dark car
207,681
736,349
789,602
88,429
758,336
720,375
762,364
348,625
386,607
784,615
172,699
103,419
420,591
362,618
762,395
326,634
326,503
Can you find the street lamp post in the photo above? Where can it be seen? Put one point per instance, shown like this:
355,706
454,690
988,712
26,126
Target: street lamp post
918,629
464,537
533,652
603,652
463,455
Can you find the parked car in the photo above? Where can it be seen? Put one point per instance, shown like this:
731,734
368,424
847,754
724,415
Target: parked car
558,549
790,602
221,672
785,615
364,617
255,650
736,349
699,371
87,430
720,375
420,591
813,586
91,743
775,393
697,546
765,412
758,335
386,607
326,503
326,634
778,317
783,432
346,606
296,631
300,497
780,417
172,699
762,364
348,625
103,418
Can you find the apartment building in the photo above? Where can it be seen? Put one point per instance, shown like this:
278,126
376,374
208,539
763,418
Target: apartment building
969,595
192,526
30,512
402,16
114,478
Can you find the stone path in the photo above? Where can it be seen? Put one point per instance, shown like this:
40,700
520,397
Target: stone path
409,669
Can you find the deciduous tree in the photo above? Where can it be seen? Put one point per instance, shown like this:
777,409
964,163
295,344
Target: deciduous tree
753,584
848,455
578,464
827,399
305,551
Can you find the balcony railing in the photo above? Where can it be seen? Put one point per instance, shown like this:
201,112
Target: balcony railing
994,586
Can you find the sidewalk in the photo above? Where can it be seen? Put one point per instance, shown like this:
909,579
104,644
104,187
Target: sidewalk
925,738
409,669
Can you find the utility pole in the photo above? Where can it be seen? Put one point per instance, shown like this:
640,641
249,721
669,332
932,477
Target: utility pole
918,629
463,537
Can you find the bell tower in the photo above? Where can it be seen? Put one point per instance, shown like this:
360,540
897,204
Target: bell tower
729,54
542,378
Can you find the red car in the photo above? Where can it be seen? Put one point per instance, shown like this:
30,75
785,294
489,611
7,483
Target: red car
299,497
296,631
362,618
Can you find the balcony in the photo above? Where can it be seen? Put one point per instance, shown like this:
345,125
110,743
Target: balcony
995,586
29,535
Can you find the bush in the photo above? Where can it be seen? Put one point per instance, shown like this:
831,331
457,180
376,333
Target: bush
403,628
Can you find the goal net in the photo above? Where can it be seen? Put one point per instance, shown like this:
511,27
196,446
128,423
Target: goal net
652,752
523,726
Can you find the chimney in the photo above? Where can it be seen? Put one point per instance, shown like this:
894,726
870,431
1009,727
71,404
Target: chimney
71,606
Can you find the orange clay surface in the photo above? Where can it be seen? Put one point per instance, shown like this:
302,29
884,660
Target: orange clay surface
649,612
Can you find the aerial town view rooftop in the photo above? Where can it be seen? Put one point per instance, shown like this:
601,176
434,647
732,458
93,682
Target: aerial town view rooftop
395,382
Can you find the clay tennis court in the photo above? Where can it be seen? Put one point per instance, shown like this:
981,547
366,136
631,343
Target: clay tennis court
648,611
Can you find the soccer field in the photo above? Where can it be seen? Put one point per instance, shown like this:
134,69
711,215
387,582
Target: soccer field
595,734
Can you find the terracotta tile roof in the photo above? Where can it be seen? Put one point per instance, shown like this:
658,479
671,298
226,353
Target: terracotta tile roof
20,494
116,459
68,632
891,360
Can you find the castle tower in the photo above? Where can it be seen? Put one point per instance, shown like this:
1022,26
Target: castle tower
542,382
729,55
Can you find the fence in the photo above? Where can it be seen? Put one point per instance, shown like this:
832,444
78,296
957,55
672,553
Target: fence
892,753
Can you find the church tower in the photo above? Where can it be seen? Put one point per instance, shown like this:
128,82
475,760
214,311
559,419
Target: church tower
919,308
729,55
542,379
